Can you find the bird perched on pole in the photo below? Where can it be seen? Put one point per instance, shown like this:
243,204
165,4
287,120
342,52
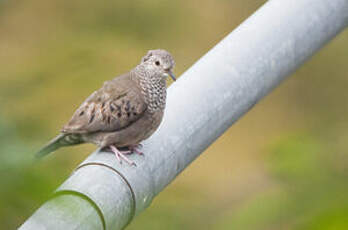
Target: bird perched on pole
123,112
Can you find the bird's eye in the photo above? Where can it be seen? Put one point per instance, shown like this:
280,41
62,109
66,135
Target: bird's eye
157,63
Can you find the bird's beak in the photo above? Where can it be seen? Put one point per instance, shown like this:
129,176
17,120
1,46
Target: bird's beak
170,73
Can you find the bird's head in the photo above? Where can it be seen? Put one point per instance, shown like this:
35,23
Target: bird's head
160,62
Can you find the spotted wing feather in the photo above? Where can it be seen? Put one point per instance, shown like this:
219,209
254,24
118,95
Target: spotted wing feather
113,107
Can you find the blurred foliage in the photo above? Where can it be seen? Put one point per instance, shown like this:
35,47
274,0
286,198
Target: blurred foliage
283,166
23,186
309,193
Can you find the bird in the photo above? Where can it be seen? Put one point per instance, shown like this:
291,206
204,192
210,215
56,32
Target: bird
123,112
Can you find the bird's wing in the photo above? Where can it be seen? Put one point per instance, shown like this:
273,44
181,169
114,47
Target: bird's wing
113,107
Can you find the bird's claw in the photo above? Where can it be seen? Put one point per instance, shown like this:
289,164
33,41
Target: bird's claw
136,149
121,155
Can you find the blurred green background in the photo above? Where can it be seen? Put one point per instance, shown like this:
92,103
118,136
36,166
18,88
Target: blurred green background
282,166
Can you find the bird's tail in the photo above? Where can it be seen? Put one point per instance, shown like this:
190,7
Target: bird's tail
59,141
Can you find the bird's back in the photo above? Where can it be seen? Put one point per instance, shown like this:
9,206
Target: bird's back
114,106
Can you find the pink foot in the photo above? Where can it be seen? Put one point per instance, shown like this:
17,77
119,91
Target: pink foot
121,155
136,149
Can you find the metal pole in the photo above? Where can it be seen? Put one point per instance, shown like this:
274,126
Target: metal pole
207,99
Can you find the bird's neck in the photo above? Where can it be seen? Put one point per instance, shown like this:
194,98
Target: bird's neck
152,87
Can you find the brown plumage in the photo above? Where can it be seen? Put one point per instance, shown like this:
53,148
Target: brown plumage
124,111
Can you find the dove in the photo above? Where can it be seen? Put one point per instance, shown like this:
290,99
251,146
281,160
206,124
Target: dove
123,112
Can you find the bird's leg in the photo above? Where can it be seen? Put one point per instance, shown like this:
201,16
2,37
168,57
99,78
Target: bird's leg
118,158
121,155
136,149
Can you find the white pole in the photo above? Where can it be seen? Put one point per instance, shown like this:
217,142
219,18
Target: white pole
206,100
